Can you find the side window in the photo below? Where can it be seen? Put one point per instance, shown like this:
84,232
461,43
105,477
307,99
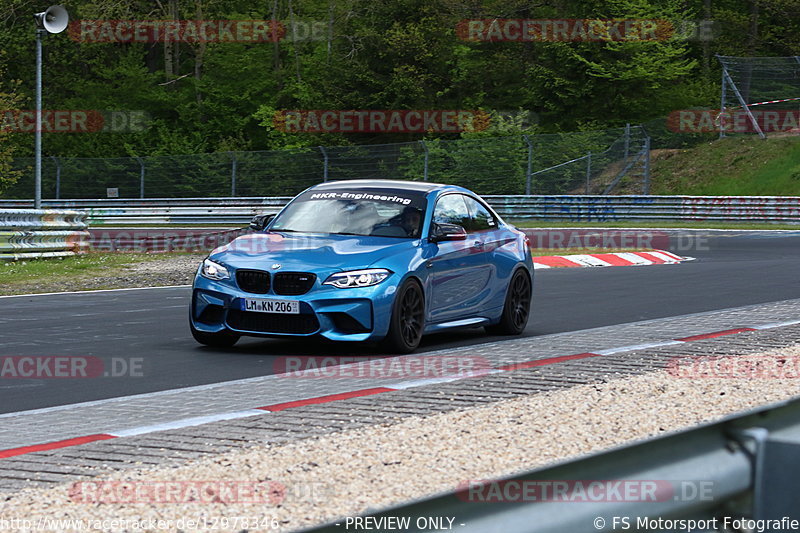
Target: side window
451,209
480,217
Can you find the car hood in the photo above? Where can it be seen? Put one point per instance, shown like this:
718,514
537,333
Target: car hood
308,252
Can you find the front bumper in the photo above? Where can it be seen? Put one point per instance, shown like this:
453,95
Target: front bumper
357,314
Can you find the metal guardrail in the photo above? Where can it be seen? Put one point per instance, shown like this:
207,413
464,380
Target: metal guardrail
742,467
188,211
32,233
167,211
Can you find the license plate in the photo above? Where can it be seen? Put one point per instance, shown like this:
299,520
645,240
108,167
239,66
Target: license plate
259,305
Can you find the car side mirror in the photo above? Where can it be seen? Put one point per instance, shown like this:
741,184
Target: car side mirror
260,222
447,232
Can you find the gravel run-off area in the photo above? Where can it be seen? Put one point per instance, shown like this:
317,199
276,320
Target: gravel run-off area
316,480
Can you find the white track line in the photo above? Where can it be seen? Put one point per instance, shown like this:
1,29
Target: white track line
776,324
636,347
186,422
94,290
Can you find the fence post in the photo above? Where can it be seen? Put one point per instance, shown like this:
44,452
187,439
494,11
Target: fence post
324,163
646,189
425,167
141,176
588,170
530,165
58,176
233,173
627,141
722,103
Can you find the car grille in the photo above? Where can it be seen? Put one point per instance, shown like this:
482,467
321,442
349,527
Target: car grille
273,322
293,283
255,281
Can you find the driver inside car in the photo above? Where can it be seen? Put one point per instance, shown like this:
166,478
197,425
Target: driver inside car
410,221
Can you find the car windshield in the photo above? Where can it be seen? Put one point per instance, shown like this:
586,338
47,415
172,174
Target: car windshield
374,212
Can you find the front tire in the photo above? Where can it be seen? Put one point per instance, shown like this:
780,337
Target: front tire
223,339
517,306
408,319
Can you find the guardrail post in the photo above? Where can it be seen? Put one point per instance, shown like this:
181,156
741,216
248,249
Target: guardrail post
588,170
646,188
425,162
141,176
58,176
324,163
530,165
233,173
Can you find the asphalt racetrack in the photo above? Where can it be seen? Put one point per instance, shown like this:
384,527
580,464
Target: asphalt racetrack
143,335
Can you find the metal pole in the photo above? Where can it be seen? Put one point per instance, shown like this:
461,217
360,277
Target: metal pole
627,140
530,166
324,163
425,167
744,103
141,176
58,176
37,197
233,173
646,165
722,102
588,170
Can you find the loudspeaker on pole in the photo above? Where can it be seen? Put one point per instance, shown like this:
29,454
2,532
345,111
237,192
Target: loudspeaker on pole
54,19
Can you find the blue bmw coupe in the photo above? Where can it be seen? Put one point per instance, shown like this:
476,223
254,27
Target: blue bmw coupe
367,260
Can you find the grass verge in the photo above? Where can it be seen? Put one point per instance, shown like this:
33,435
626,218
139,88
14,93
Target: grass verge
97,271
743,166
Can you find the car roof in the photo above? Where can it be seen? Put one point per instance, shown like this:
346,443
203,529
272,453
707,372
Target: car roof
422,186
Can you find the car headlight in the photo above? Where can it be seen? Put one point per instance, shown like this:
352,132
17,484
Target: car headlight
358,278
212,270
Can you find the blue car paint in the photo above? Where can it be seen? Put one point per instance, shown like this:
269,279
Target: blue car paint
464,282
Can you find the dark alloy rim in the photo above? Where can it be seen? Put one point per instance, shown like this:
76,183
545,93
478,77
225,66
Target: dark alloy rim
411,316
520,300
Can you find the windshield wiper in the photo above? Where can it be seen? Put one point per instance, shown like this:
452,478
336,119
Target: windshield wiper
317,232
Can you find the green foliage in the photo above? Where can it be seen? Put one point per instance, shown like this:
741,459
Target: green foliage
9,100
400,54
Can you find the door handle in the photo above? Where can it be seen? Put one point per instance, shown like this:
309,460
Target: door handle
477,244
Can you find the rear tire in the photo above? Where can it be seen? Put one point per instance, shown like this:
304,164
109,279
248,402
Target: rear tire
223,339
408,319
517,306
